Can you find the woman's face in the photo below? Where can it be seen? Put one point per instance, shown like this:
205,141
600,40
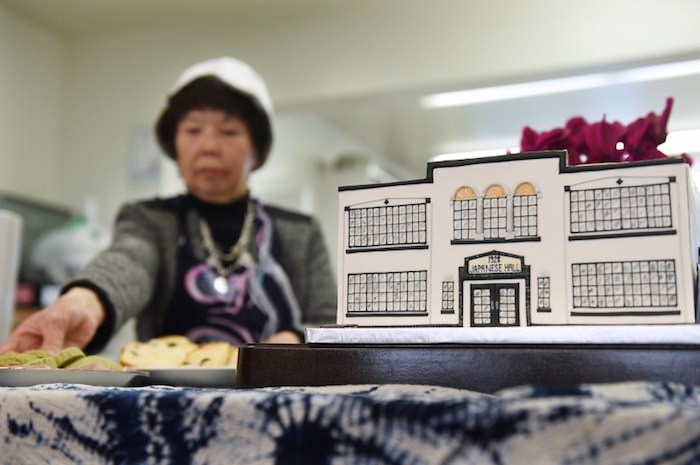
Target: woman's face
215,155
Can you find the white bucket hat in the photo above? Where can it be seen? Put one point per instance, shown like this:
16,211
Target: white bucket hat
233,72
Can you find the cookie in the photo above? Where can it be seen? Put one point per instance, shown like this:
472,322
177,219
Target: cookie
68,356
10,359
93,362
210,354
155,354
176,351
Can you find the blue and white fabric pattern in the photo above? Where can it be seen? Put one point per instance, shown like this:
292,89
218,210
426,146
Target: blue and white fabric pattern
628,423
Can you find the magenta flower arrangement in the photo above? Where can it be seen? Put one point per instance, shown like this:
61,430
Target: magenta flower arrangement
604,141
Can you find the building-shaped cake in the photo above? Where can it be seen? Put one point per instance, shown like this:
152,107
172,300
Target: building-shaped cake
521,240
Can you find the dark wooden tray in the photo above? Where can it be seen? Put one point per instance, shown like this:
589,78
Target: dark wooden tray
484,368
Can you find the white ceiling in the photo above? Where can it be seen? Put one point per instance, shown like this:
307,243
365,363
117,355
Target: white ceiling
79,18
394,124
390,123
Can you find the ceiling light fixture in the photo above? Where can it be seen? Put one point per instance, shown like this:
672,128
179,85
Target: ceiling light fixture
559,85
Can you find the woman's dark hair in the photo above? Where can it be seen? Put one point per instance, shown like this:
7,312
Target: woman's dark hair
211,92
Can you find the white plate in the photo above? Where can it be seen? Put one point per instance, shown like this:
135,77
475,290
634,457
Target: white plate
17,377
190,377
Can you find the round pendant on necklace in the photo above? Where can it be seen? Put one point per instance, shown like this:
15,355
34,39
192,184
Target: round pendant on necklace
221,285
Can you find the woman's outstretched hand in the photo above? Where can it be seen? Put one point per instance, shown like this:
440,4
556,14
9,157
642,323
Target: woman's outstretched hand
71,321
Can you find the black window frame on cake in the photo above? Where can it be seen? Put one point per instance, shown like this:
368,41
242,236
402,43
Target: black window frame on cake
387,225
544,294
464,214
496,216
620,210
615,286
448,297
387,293
525,211
495,213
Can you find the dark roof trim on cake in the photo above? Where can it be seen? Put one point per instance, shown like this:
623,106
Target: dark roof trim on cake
560,154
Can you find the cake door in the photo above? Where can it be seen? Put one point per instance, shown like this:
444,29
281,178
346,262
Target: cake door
494,304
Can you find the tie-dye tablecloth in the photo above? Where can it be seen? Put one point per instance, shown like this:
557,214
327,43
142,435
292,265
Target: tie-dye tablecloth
631,423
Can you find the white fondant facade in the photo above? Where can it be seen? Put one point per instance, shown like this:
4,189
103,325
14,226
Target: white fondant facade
520,240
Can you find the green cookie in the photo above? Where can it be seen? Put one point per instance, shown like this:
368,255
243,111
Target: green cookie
49,362
67,356
10,359
94,359
37,353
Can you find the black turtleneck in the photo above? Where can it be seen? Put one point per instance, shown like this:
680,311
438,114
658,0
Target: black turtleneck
224,220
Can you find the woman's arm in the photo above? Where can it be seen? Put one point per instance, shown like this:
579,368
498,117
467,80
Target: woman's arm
71,320
123,276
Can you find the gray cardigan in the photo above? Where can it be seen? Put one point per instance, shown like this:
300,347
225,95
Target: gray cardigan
135,276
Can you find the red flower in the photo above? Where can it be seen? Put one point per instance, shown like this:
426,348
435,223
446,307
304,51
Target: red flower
568,138
645,134
604,142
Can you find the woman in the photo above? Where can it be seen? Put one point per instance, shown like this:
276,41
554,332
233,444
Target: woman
212,264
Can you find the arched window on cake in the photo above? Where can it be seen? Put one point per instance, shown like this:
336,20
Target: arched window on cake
525,211
464,214
495,212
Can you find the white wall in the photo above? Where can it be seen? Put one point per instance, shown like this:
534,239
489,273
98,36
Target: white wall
32,70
